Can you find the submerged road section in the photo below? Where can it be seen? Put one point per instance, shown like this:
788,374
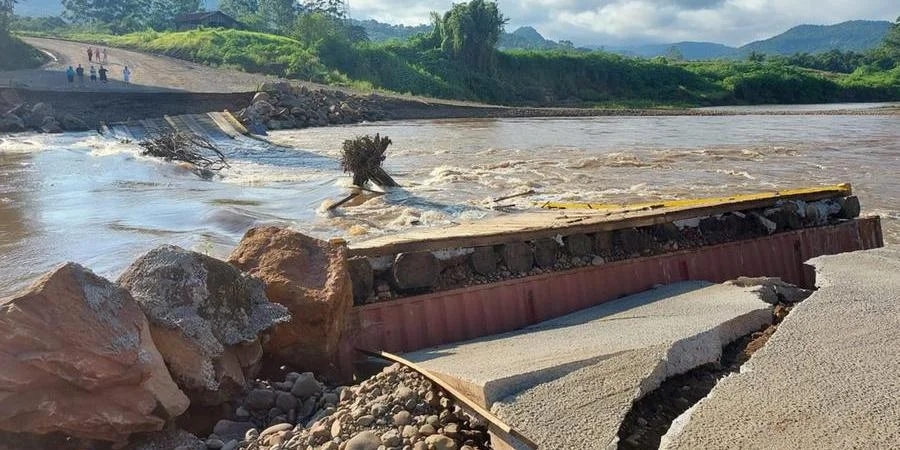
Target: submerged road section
827,379
568,383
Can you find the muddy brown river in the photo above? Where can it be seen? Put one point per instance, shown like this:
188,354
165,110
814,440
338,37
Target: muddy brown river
91,199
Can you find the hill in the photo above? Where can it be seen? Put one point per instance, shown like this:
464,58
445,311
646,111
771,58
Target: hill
855,35
526,38
686,50
379,32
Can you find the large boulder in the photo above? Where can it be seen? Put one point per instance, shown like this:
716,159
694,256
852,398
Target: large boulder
206,318
77,358
38,114
72,123
11,123
312,279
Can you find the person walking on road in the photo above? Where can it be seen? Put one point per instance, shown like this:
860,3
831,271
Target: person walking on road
91,54
80,73
103,74
126,75
93,73
105,56
70,75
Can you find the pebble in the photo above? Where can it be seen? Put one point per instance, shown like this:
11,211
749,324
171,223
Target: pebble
402,418
285,401
275,429
306,386
260,399
214,444
426,430
366,440
365,421
391,438
409,431
438,442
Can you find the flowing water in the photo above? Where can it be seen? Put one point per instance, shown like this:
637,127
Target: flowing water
94,200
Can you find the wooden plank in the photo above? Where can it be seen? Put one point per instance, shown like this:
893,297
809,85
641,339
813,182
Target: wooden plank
460,397
842,189
528,226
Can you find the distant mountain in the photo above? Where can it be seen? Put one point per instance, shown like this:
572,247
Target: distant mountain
526,38
856,35
685,50
379,32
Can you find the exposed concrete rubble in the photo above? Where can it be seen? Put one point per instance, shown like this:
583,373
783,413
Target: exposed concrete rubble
311,278
397,408
825,380
489,264
206,318
76,358
599,360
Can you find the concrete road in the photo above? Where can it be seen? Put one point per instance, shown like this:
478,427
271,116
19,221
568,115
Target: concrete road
569,382
829,378
149,73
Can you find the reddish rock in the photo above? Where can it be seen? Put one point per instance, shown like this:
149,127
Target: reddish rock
206,318
76,358
311,278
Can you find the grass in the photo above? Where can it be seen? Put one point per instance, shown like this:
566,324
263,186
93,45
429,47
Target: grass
15,54
244,50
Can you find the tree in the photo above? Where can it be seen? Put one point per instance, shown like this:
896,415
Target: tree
469,33
128,15
160,14
756,57
278,15
6,11
239,8
333,8
891,44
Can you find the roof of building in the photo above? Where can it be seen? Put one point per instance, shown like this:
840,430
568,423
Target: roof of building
200,16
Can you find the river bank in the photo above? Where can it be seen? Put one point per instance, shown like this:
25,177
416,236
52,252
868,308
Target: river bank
297,101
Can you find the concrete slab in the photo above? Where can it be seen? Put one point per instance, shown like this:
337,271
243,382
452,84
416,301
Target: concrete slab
827,379
568,383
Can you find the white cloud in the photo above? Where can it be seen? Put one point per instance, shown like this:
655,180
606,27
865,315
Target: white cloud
613,22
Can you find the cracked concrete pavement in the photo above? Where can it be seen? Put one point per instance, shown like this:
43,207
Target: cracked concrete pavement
569,382
827,379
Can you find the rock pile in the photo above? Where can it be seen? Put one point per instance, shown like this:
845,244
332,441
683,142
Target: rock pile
285,105
39,117
395,409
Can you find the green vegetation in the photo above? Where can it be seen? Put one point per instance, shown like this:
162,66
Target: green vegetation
14,54
245,50
458,59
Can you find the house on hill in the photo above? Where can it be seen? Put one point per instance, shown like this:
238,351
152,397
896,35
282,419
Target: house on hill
208,19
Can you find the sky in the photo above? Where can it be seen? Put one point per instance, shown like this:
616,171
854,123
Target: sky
632,22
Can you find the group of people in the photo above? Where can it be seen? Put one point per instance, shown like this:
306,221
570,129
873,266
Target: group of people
95,74
95,53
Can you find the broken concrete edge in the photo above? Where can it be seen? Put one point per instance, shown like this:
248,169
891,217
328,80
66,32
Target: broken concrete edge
681,357
391,278
678,425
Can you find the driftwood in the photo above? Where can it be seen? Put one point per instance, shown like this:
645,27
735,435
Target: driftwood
363,156
186,147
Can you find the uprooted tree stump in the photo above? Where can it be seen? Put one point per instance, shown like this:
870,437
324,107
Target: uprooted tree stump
363,156
186,147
